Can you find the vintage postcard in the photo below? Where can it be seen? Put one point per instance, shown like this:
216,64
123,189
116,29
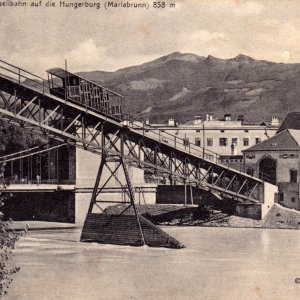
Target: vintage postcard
149,149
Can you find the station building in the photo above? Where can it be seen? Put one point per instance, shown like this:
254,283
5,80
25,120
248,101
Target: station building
63,191
277,160
224,136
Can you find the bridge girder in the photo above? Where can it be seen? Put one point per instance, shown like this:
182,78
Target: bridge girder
74,124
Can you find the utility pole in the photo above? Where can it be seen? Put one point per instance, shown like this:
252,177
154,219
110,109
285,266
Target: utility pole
203,133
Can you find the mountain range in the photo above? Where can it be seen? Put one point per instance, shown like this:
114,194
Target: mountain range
184,85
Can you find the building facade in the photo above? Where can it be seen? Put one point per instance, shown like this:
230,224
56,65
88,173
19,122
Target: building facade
277,160
224,136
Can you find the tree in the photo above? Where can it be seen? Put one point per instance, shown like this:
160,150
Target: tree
14,139
8,239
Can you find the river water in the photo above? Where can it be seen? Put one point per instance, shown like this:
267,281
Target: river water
217,263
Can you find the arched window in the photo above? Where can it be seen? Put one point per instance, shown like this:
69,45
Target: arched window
268,169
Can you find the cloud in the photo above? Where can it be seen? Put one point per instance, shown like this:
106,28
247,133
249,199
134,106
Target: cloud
271,23
246,8
86,55
206,36
203,42
278,41
233,8
286,55
33,61
109,40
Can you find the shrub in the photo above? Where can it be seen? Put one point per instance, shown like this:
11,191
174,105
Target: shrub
8,239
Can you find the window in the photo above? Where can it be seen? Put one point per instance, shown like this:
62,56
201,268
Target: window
223,142
222,130
257,140
293,199
198,130
246,142
285,155
209,142
234,141
281,196
246,130
198,142
293,176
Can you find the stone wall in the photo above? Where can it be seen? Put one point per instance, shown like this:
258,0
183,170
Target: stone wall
52,206
249,210
175,194
283,167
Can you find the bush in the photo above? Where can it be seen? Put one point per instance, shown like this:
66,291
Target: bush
8,239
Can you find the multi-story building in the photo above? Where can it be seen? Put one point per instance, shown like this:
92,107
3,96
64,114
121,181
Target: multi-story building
226,137
277,160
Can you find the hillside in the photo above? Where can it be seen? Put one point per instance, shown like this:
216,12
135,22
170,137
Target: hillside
184,85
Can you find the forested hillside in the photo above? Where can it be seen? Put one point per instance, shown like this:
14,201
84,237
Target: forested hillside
185,85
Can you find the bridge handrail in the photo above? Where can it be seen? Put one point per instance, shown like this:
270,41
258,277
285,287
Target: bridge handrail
22,76
162,137
25,181
18,68
190,147
266,177
172,138
43,85
18,153
31,154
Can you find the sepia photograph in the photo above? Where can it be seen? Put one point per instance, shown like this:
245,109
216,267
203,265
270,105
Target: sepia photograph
149,149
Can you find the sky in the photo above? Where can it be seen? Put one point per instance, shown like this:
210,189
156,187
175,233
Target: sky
38,38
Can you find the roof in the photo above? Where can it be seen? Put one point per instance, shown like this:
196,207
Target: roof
61,73
291,121
287,140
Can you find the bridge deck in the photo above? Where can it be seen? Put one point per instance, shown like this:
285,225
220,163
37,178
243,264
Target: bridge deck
34,108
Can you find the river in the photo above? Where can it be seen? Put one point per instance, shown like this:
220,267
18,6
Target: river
217,263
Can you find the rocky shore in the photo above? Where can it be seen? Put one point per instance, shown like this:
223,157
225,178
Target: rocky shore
173,215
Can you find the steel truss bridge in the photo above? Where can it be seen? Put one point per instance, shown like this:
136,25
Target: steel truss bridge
28,101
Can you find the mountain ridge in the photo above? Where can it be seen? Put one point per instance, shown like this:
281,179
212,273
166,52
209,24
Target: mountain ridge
185,84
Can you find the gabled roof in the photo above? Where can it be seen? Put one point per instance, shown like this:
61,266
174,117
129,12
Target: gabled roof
287,140
291,121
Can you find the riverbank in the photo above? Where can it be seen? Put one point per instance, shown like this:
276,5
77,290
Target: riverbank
41,225
217,263
177,215
173,215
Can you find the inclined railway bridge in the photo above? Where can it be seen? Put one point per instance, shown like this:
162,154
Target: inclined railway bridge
76,111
